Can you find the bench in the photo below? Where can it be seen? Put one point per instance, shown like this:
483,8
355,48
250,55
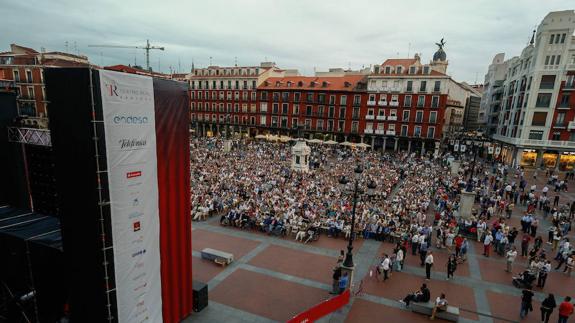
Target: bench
219,257
450,314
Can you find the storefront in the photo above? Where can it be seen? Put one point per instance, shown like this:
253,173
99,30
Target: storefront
528,158
567,161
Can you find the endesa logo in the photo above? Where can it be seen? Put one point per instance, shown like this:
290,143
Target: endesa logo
137,226
133,174
139,253
128,119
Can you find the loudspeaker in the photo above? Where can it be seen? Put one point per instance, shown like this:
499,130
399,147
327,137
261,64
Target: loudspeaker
200,295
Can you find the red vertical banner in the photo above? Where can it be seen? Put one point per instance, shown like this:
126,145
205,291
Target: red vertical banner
173,155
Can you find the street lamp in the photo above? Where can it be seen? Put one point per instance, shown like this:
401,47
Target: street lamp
348,262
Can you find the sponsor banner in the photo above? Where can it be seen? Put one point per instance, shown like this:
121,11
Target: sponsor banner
456,147
490,150
129,121
497,150
462,148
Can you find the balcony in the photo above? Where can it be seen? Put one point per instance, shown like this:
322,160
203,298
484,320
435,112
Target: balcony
571,125
368,131
392,118
369,117
394,103
569,86
370,103
546,144
26,98
380,118
395,89
390,132
382,103
380,132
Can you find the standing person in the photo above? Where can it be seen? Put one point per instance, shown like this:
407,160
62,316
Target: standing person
451,266
399,259
336,276
510,259
525,245
487,243
526,305
422,252
340,257
385,265
414,243
565,310
428,265
343,282
543,272
547,307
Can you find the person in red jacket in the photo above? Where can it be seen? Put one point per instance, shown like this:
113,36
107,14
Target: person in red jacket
565,310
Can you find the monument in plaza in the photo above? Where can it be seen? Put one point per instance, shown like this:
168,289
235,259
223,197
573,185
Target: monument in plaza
300,156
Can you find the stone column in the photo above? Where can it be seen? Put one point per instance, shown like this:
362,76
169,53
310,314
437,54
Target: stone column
218,129
310,135
384,143
557,161
345,138
395,145
409,146
203,129
467,200
372,142
361,139
349,271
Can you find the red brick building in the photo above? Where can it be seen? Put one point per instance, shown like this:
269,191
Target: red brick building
24,66
327,107
561,129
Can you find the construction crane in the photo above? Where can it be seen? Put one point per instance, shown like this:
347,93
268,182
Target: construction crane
147,48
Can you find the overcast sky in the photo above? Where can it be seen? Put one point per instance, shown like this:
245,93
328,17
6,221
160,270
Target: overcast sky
302,34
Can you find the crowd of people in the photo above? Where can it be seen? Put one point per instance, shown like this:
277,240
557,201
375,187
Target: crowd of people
415,205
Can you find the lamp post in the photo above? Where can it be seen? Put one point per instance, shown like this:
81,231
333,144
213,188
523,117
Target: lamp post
348,264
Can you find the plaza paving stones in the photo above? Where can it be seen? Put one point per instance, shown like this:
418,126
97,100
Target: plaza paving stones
507,307
266,296
364,311
296,263
237,246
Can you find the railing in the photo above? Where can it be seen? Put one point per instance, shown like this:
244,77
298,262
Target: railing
368,131
370,103
536,142
380,132
392,118
369,117
39,137
394,104
382,103
380,118
390,132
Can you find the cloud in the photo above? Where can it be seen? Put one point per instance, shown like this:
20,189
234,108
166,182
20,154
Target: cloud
295,34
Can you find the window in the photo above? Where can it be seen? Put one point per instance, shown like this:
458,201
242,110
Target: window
420,101
309,97
356,100
294,122
370,112
437,86
355,113
547,82
543,100
284,122
547,60
563,38
296,97
319,125
342,112
556,136
285,96
31,92
321,98
275,108
430,132
331,112
388,70
276,96
263,107
284,108
539,119
343,100
354,126
407,101
253,96
435,101
332,99
405,115
368,126
296,109
372,98
557,60
412,70
308,110
29,76
560,120
320,111
404,131
409,86
552,62
426,70
551,38
307,124
564,103
423,86
417,131
419,116
16,76
536,134
433,117
264,96
341,125
274,121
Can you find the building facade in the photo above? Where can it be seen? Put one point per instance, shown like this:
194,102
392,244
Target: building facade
493,92
24,66
533,124
406,103
224,99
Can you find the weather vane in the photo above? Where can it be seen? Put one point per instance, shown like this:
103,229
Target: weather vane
441,44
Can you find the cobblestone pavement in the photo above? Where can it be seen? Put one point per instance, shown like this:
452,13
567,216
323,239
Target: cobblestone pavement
273,279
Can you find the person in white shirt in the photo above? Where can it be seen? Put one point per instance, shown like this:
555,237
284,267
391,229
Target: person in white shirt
510,257
399,259
480,229
487,244
428,265
440,305
414,243
385,267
